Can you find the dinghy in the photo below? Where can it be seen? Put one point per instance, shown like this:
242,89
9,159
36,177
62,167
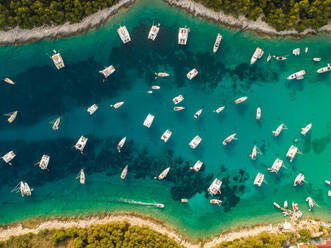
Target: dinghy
317,59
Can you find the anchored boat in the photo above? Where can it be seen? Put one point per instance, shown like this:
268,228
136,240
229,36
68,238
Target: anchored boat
124,34
254,153
311,203
198,113
43,163
317,59
276,165
24,188
121,144
9,156
166,135
299,180
192,73
324,69
229,139
259,179
162,74
298,75
306,129
195,142
56,124
257,55
183,35
153,31
81,176
216,201
178,108
217,43
116,105
258,114
124,172
197,166
292,151
12,116
279,129
81,143
215,187
269,57
240,100
57,60
296,51
163,174
149,120
108,71
177,99
219,110
92,109
281,58
9,81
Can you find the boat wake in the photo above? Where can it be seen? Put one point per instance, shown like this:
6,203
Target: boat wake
159,205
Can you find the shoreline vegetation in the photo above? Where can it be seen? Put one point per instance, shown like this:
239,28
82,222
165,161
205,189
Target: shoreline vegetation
312,229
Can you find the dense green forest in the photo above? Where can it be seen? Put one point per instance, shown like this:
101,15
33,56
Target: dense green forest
281,14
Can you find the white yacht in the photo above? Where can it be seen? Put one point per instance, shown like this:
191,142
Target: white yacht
276,165
156,87
44,161
255,152
57,60
12,116
198,113
162,74
216,201
149,120
296,51
153,31
306,129
298,75
281,58
324,69
299,179
9,81
217,43
121,144
177,99
311,203
240,100
124,172
81,176
116,105
183,35
279,129
195,142
178,108
317,59
166,135
124,34
259,179
257,55
163,174
219,110
92,109
56,124
292,151
215,187
229,139
81,143
108,71
192,73
9,156
258,114
197,166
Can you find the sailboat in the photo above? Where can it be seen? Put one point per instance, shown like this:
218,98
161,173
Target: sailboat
9,156
279,129
121,144
229,139
56,124
254,153
163,174
219,110
258,114
81,176
198,113
269,57
12,116
9,81
217,43
124,172
240,100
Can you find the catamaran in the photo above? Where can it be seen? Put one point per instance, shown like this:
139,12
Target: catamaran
216,201
9,156
254,153
12,116
259,179
324,69
292,151
57,60
149,120
44,161
183,35
92,109
22,187
81,176
306,129
108,71
311,203
258,114
219,110
296,51
56,124
299,179
229,139
317,59
240,100
153,31
178,108
215,187
298,75
9,81
269,57
279,129
121,144
163,174
166,135
257,55
124,172
177,99
81,143
162,74
276,165
198,113
124,34
281,58
195,142
116,105
217,43
197,166
192,73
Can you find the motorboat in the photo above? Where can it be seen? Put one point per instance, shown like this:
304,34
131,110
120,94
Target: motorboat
215,187
124,34
108,71
240,100
219,110
117,105
217,43
311,203
198,113
298,75
12,116
156,87
177,99
81,176
296,51
192,73
153,31
9,156
92,109
229,139
317,59
183,35
163,174
183,200
44,161
216,201
255,152
259,179
281,58
327,182
278,163
56,124
150,92
166,135
81,143
279,129
57,60
197,166
121,144
256,55
258,114
162,74
306,50
292,151
329,193
324,69
124,172
149,120
178,108
195,142
306,129
9,81
159,205
299,179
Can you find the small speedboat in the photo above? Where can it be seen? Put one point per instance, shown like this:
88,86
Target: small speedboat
156,87
317,59
229,139
9,81
240,100
324,69
12,116
198,113
163,174
177,99
216,201
306,129
217,43
178,108
116,105
162,74
121,144
257,55
195,142
124,172
279,129
192,73
258,114
280,58
219,110
183,200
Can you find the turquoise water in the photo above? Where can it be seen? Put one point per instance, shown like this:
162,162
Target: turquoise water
42,94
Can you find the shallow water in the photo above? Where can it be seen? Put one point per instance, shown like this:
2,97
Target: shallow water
42,93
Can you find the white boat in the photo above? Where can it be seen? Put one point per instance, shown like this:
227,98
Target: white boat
278,163
150,92
197,166
124,34
216,201
317,59
219,110
198,113
192,73
177,99
298,214
324,69
254,153
299,179
327,182
258,114
121,144
81,143
44,161
298,75
296,51
166,135
12,116
155,87
195,142
269,57
178,108
56,124
159,205
25,189
292,151
306,50
116,105
57,60
9,81
229,139
311,203
281,58
329,193
9,156
92,109
217,43
257,55
153,31
306,129
108,71
183,200
259,179
149,120
276,204
240,100
279,129
124,172
81,176
215,187
162,74
183,35
163,174
285,204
